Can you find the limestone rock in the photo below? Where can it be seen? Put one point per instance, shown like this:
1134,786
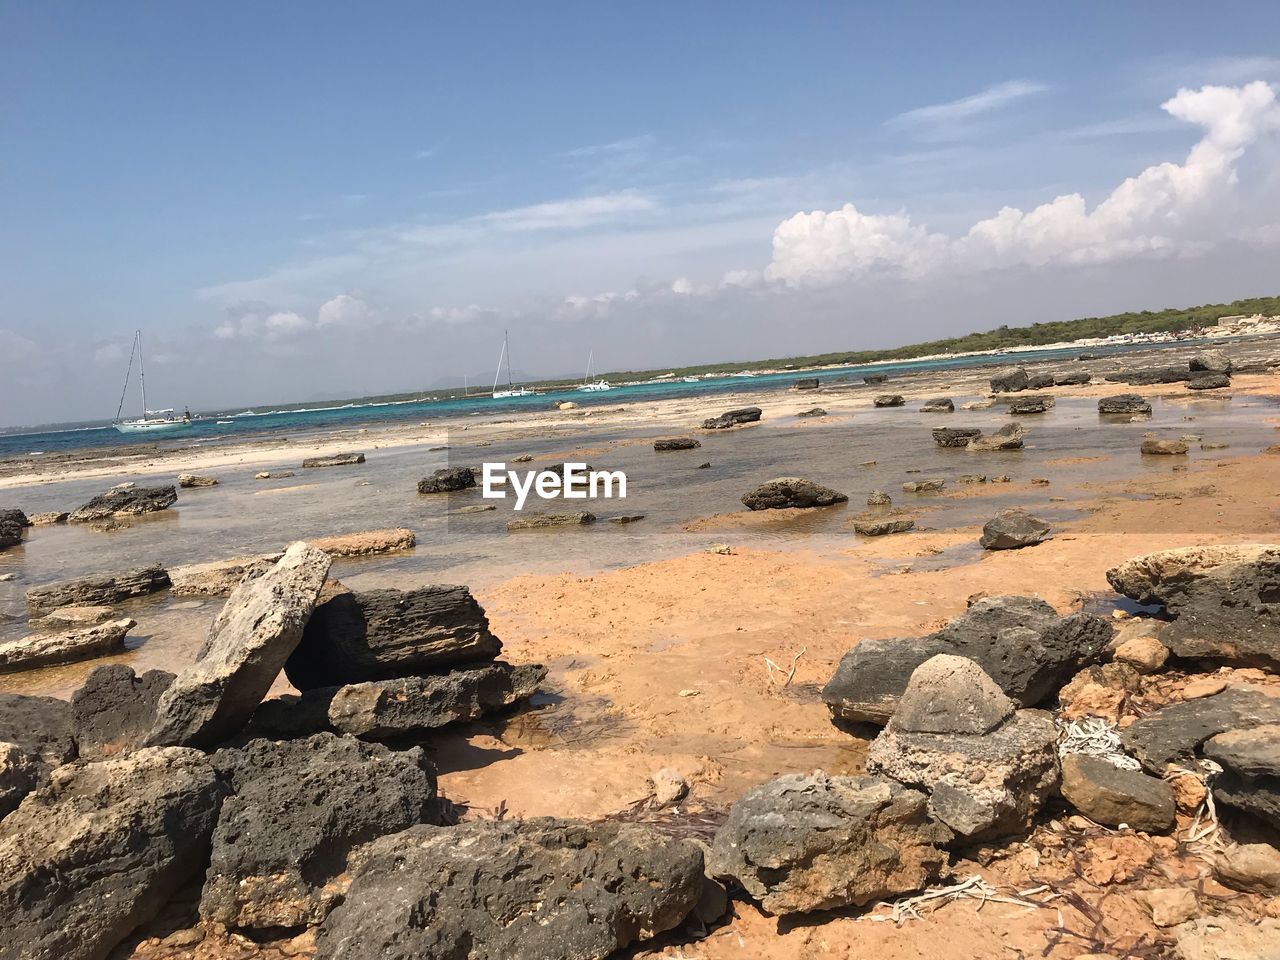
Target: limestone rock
125,502
1012,530
878,498
19,775
1144,654
890,400
44,649
955,436
218,578
447,480
1210,361
950,694
186,480
1174,734
881,528
1030,405
1163,448
1009,437
1250,760
63,618
333,460
791,492
543,521
367,542
1209,381
677,443
1111,795
732,418
40,726
924,486
938,405
1124,403
1253,867
100,590
1010,381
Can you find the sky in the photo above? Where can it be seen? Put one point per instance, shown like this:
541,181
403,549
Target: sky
301,201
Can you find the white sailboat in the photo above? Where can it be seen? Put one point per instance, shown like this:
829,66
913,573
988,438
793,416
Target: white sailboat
512,390
593,386
151,421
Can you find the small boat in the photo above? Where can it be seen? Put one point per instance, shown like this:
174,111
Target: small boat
512,390
691,379
593,386
151,421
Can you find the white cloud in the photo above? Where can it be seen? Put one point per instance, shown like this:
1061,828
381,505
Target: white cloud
344,310
1168,209
571,214
628,145
108,353
681,286
946,118
16,347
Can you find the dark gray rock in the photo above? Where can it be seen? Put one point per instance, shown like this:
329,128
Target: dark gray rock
1210,361
40,726
96,853
1012,530
938,405
955,436
805,383
1024,406
19,775
515,890
550,521
1010,381
1124,403
732,418
881,528
874,378
1224,600
125,502
10,533
1145,378
1112,796
677,443
103,590
333,460
812,842
1039,381
296,811
812,412
1072,379
791,492
385,634
14,515
1209,381
1020,642
244,652
890,400
448,479
115,709
1250,760
388,709
1174,734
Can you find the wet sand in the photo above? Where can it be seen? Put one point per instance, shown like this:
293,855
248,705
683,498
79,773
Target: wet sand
659,650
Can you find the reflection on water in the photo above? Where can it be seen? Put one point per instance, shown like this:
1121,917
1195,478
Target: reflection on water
243,515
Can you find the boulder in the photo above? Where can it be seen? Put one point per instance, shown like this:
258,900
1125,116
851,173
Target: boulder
805,383
878,498
1010,381
68,646
982,783
890,400
677,443
333,460
296,811
1020,642
955,436
880,528
1210,361
1072,379
812,412
1174,734
543,521
100,590
924,486
813,842
580,890
1222,937
1209,381
791,492
1124,403
115,709
40,726
387,709
219,578
186,480
10,533
387,634
366,543
99,851
1252,867
1250,760
1145,654
1028,405
246,647
125,502
1153,447
1012,530
732,418
1149,377
1112,795
14,515
19,775
447,479
938,405
1222,599
1008,437
1039,381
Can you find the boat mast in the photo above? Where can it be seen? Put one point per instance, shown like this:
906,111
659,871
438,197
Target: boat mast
127,374
497,373
591,355
142,376
508,351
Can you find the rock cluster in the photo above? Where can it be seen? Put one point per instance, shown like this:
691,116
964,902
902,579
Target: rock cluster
447,479
787,492
124,501
732,418
1125,403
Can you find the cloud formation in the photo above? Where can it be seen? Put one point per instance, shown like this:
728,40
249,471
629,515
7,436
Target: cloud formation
1167,210
946,120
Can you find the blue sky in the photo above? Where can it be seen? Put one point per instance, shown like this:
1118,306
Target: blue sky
303,200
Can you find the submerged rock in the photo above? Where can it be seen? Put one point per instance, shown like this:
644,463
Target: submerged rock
247,646
100,850
68,646
1008,437
387,634
1112,796
878,498
813,842
1012,530
297,810
938,405
791,492
1126,403
881,528
1155,447
955,436
732,418
125,502
1029,405
924,486
101,590
584,891
890,400
677,443
333,460
812,412
448,479
367,542
541,521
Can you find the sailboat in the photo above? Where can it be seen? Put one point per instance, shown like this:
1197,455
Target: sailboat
512,390
593,386
151,421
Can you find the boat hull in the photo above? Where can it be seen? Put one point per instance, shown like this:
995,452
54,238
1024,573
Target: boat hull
151,426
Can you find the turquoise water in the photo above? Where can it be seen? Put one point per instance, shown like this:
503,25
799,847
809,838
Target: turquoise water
217,426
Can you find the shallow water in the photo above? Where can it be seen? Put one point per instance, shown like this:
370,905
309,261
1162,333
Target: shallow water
1070,445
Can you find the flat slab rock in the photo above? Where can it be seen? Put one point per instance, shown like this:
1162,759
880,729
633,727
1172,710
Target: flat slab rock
67,646
787,492
125,502
97,852
115,709
1126,403
333,460
807,842
1250,761
1020,642
388,709
732,418
677,443
1174,734
246,648
101,590
1112,795
584,891
296,811
218,578
385,634
367,543
550,521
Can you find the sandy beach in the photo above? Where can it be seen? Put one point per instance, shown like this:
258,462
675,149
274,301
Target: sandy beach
700,639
